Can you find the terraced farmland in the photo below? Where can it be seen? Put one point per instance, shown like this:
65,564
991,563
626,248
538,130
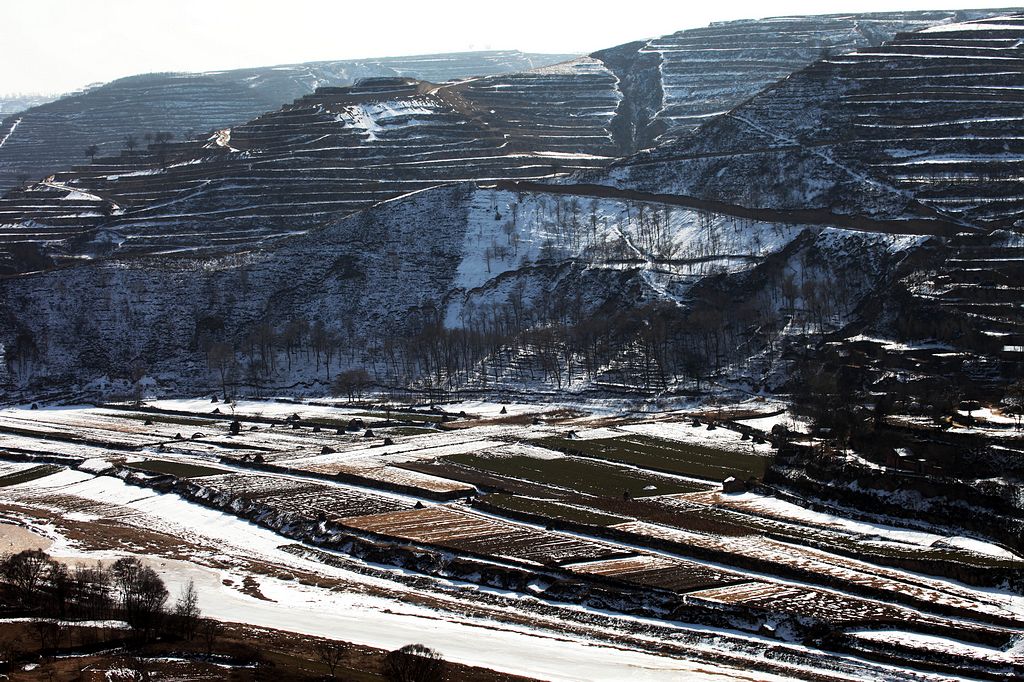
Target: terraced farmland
344,148
661,572
571,473
51,137
304,499
464,530
673,457
744,562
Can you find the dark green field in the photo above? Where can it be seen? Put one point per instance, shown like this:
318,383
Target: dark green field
575,474
28,474
550,510
665,455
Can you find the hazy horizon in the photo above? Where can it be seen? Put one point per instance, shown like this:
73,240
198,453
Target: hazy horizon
62,46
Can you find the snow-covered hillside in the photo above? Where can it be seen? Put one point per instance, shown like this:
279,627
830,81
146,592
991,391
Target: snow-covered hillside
55,135
924,126
372,290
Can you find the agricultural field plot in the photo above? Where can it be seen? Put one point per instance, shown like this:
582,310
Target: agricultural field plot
500,503
717,439
168,420
326,415
479,409
15,474
671,456
8,468
34,446
841,570
306,499
576,475
403,449
666,573
800,600
793,423
86,425
174,468
698,512
129,422
370,468
369,458
303,447
459,529
931,644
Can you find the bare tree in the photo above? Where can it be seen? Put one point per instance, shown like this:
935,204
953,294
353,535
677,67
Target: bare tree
91,151
186,610
142,593
330,653
414,663
26,571
1014,402
350,383
209,630
220,356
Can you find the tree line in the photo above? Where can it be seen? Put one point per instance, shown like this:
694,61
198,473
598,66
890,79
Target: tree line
34,583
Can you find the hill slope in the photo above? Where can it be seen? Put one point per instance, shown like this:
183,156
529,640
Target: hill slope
54,136
925,125
342,150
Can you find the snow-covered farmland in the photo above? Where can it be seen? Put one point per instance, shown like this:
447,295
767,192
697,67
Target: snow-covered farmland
570,533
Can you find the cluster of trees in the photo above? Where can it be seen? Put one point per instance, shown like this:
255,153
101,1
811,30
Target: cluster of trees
34,584
414,663
562,337
257,354
1013,401
127,590
559,339
158,140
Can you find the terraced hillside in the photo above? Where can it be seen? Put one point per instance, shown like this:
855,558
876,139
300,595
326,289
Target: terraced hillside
925,125
676,82
330,153
53,137
298,167
689,262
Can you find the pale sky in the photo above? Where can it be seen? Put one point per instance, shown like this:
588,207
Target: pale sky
61,45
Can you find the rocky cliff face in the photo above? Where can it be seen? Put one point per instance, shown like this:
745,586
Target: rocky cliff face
507,273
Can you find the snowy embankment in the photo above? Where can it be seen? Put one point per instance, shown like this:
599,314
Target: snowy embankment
776,508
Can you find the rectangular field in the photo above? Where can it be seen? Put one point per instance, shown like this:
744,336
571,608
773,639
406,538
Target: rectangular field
549,509
650,570
574,474
178,469
304,498
658,454
467,531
